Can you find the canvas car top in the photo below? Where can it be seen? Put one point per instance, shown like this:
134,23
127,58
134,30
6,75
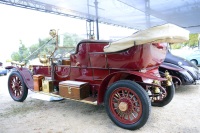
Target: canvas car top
168,33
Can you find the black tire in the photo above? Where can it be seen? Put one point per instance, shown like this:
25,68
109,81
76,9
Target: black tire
170,94
16,87
193,61
127,91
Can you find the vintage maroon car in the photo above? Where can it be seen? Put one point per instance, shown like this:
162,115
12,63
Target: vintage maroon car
122,75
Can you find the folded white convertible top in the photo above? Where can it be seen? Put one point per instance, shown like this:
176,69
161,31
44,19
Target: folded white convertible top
165,33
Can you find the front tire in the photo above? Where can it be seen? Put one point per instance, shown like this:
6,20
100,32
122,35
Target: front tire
16,87
127,104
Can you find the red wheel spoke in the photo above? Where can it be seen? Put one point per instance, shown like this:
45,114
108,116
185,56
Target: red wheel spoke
18,93
132,114
116,108
15,92
128,95
116,98
123,93
20,88
17,79
117,95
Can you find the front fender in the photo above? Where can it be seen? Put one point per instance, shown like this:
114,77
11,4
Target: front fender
26,75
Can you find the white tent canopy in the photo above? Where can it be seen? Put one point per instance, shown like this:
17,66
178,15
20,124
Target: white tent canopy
135,14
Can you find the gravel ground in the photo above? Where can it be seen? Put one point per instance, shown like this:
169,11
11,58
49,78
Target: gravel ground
182,115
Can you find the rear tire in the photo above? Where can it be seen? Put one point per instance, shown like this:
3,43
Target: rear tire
127,104
16,87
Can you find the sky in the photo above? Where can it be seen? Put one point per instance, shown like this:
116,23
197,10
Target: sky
28,26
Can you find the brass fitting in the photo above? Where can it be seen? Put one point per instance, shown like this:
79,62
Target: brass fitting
169,78
156,89
52,33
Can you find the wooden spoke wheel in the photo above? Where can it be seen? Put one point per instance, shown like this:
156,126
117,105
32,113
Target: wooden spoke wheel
16,87
127,104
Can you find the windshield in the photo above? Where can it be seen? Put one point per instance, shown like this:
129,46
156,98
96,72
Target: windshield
63,47
55,48
63,52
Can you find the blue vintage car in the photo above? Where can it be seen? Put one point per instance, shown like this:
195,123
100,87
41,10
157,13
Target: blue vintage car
194,57
3,71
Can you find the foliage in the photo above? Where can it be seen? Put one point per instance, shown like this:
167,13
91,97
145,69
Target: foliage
34,49
21,54
176,46
27,53
70,40
192,42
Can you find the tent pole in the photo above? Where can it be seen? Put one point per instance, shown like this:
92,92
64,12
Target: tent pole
97,18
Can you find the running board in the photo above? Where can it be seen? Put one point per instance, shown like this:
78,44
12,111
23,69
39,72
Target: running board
88,100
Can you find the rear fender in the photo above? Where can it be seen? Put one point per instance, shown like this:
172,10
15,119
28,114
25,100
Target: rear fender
26,75
130,75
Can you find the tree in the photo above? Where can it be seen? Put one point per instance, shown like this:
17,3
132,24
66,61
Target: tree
71,40
34,49
15,56
193,41
23,53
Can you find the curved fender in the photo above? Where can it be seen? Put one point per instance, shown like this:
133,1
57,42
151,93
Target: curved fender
170,66
173,67
26,75
106,81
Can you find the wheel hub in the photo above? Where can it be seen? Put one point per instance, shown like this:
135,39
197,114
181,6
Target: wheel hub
16,86
123,106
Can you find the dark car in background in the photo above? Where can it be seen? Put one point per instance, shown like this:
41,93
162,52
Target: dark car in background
183,71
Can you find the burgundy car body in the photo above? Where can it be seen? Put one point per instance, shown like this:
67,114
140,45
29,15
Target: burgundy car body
90,64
